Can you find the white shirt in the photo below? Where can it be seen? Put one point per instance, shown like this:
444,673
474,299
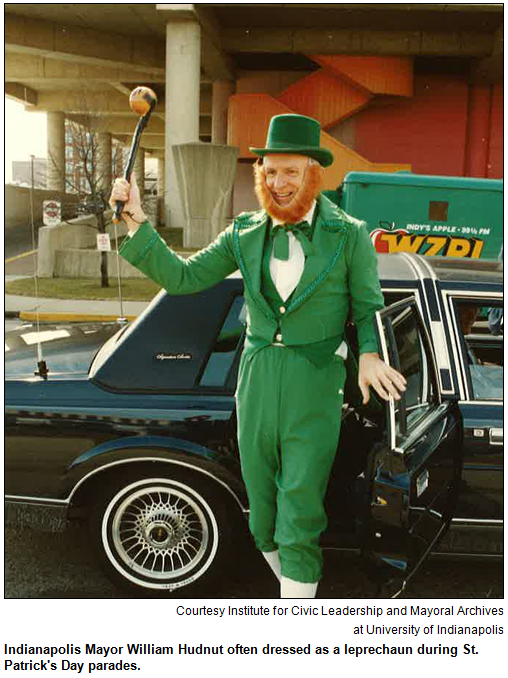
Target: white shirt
286,274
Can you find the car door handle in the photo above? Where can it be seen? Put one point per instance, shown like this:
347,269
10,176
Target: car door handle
496,436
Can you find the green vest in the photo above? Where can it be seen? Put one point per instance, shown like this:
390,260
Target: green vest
319,353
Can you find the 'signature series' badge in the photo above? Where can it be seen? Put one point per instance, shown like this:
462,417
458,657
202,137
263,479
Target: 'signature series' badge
161,357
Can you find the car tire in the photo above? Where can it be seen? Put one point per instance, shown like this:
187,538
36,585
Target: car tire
157,535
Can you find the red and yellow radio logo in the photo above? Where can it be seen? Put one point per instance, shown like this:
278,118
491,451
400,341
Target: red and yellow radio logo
390,242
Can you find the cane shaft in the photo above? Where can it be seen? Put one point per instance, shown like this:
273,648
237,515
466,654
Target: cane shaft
143,122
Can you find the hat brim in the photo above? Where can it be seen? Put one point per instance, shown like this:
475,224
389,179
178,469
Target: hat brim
322,155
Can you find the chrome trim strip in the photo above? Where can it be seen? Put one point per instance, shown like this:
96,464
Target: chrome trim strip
474,293
21,499
493,403
495,522
391,402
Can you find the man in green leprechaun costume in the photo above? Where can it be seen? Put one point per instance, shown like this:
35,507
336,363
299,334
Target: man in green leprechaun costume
305,265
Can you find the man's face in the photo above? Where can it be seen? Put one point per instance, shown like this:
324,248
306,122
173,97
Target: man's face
284,175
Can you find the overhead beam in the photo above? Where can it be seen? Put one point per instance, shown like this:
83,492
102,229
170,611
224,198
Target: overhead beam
216,64
52,40
357,42
109,102
21,94
41,70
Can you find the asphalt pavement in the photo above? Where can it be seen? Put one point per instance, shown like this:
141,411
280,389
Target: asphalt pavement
61,565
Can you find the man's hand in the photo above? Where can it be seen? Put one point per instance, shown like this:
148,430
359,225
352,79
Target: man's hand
132,213
386,381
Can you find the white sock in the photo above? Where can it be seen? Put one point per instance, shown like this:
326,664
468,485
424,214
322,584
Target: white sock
296,589
272,558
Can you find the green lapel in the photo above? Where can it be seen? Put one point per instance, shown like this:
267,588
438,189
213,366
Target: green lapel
329,239
248,241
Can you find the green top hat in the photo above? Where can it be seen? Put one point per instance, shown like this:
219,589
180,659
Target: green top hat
291,133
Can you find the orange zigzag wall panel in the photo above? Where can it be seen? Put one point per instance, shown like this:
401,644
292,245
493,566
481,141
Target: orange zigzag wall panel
325,98
376,75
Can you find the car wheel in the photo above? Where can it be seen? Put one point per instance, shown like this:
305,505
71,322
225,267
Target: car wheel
157,535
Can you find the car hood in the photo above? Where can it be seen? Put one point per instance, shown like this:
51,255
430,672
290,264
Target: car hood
66,349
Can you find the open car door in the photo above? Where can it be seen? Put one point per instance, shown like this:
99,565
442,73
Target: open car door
413,476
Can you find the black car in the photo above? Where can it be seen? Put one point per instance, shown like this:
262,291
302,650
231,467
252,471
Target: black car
134,428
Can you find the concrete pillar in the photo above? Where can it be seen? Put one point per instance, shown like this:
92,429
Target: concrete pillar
205,174
161,169
183,71
221,91
55,180
139,171
104,161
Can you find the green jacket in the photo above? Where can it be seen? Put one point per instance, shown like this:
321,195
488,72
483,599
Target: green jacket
340,276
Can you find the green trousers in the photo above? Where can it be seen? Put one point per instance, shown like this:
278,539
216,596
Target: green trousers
289,415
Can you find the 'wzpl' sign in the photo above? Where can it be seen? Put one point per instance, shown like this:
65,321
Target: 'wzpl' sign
390,242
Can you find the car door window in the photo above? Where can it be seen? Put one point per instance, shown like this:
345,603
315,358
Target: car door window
410,354
227,344
480,343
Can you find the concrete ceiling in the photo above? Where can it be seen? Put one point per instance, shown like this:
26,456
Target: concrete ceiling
51,50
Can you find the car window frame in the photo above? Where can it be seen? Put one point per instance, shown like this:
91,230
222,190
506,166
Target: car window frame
228,385
466,394
487,298
435,399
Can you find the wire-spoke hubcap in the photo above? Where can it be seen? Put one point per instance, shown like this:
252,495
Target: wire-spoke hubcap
161,532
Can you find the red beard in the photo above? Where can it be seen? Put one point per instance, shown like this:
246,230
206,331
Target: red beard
300,205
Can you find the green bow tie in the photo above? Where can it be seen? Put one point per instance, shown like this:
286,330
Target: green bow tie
302,233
